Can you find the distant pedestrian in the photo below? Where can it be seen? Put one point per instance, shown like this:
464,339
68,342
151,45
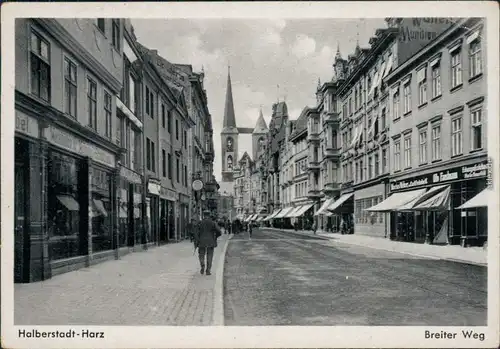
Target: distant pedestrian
205,239
250,230
314,227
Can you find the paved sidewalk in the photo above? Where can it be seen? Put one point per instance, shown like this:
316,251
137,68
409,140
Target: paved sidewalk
471,255
160,286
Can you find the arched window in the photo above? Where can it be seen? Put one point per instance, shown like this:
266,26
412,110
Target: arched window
229,162
229,144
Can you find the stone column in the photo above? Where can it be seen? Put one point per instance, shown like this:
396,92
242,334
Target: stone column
37,195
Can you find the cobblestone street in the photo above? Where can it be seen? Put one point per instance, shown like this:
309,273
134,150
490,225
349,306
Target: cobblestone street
161,286
277,278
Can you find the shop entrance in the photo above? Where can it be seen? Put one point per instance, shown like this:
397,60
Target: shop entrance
21,213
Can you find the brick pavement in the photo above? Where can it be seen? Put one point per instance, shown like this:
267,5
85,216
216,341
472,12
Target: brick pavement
472,255
160,286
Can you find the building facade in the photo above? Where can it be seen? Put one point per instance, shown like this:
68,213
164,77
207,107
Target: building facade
68,73
96,121
438,137
363,97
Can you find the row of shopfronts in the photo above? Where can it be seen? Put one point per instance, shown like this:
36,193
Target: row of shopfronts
75,205
444,205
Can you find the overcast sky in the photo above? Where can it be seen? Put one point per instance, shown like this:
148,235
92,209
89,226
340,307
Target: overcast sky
263,54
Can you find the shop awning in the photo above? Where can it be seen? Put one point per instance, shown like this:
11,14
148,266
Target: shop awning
292,213
284,212
440,201
303,210
259,218
323,209
337,204
69,202
271,216
480,200
100,207
396,200
410,205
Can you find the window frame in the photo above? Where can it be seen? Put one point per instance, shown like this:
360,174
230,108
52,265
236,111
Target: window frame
457,68
475,59
477,124
407,151
457,135
115,34
36,56
92,103
99,22
422,146
108,114
397,155
436,139
72,85
407,107
437,88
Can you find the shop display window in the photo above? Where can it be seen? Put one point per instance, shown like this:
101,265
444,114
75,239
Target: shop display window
100,210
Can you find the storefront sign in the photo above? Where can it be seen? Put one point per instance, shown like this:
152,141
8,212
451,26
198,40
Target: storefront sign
130,175
154,188
183,198
26,124
168,194
71,143
457,173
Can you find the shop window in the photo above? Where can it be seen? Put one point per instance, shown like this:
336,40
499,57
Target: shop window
40,67
436,80
64,207
123,214
115,33
456,69
107,113
475,65
70,90
436,142
456,136
477,129
100,211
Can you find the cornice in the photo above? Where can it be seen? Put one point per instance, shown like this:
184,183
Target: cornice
51,115
70,44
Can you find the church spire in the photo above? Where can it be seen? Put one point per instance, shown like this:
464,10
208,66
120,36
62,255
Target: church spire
260,126
338,55
229,118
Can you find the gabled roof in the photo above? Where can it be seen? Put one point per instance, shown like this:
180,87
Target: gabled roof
300,123
260,126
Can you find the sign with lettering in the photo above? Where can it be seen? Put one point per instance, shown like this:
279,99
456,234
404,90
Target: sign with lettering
69,142
130,175
154,188
26,124
477,170
168,194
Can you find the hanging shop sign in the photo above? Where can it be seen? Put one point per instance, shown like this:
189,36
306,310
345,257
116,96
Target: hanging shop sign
477,170
26,124
69,142
169,194
154,188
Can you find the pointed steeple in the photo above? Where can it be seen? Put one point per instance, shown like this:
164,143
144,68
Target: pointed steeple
260,126
338,55
229,118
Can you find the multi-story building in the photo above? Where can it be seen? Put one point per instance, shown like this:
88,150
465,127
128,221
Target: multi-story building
287,171
68,74
437,139
363,94
327,108
129,138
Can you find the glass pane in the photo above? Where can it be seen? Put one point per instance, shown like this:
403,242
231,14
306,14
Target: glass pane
66,68
73,100
35,75
44,50
66,97
73,72
44,81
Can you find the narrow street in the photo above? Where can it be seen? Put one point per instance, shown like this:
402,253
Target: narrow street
277,278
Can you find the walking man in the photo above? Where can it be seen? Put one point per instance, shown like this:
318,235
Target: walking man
205,239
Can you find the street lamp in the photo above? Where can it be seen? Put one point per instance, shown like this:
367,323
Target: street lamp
197,187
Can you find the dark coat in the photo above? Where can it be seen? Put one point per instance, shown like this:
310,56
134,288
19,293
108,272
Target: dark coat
206,233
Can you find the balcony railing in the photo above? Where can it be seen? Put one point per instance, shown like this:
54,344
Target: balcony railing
313,191
331,152
313,163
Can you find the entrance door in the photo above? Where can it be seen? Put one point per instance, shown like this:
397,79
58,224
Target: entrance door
21,236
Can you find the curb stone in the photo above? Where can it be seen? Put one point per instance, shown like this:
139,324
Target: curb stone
218,313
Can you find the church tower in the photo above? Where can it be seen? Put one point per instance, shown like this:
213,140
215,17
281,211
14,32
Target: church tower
229,135
259,137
